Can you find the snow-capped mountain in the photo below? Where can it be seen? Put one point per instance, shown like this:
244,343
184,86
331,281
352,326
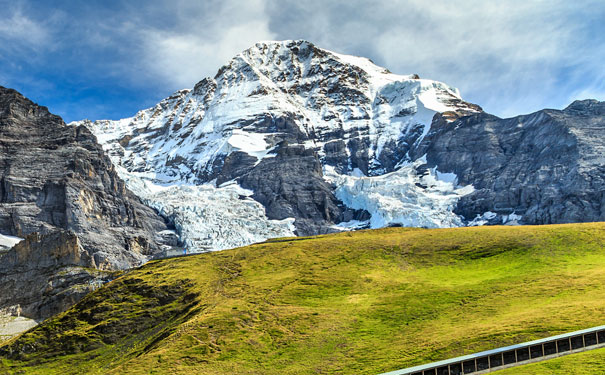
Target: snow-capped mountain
291,139
287,139
279,91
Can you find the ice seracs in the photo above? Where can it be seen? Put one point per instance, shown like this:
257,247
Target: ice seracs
409,196
208,217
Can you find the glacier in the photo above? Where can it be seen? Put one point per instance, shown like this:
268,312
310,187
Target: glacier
207,217
7,241
404,197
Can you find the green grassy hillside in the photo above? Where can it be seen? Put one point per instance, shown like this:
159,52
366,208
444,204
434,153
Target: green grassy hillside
351,303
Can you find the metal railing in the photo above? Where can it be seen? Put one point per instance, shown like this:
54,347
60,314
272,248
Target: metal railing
514,355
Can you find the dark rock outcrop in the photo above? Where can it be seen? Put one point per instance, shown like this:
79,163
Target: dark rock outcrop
46,274
291,185
56,178
547,167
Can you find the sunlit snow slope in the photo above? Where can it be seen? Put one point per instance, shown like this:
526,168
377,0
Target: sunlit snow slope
288,139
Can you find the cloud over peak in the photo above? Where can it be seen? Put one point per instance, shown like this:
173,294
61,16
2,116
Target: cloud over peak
110,59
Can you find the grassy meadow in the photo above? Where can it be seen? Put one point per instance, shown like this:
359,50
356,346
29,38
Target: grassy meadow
349,303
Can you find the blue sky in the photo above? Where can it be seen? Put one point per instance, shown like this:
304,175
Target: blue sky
109,59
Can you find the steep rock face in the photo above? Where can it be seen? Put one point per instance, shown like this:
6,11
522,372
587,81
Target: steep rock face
543,168
272,120
55,177
46,274
291,184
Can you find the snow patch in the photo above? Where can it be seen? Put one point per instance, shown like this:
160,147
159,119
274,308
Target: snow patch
483,219
445,177
6,241
352,225
251,143
512,219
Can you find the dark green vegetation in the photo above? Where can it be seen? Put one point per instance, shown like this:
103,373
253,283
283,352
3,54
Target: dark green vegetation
354,303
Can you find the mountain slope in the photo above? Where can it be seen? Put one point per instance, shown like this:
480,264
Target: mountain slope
285,121
349,303
61,193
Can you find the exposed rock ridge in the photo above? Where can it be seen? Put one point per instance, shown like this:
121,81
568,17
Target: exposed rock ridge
56,178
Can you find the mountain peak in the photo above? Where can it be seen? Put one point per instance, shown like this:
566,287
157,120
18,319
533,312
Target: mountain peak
300,70
292,44
16,107
587,105
274,122
304,56
270,47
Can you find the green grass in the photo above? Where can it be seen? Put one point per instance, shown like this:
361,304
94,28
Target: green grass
353,303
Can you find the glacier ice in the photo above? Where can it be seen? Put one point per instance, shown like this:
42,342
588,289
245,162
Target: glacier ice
208,217
404,197
6,241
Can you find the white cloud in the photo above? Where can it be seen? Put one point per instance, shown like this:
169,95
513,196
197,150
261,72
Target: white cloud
508,56
195,50
18,31
511,56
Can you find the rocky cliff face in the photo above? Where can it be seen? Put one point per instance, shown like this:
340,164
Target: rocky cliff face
543,168
46,274
56,178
